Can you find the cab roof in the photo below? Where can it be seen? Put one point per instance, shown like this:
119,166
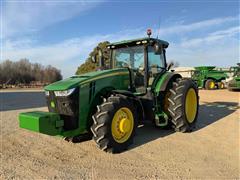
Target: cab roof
138,42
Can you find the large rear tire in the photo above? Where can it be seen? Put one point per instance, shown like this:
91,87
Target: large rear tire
114,124
183,105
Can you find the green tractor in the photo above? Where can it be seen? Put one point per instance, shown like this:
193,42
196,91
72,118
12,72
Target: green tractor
208,78
234,82
109,104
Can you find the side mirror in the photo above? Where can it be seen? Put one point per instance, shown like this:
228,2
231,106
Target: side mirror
94,59
100,54
98,57
169,66
157,48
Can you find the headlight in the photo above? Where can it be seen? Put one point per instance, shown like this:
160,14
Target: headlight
64,93
47,93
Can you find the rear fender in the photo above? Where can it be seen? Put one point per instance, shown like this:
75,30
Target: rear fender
164,80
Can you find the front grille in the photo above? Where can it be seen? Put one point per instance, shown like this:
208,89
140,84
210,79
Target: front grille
67,107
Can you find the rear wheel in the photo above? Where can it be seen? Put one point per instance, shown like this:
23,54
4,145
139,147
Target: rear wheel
210,84
183,105
114,124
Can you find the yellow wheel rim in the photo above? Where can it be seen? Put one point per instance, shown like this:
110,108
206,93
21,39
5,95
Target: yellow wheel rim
221,85
122,125
212,85
191,105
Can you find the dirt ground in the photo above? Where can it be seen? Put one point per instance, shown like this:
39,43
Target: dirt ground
211,151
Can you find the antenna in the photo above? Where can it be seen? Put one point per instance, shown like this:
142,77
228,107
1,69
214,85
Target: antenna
159,26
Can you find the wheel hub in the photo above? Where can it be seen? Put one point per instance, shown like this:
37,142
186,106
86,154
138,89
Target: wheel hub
122,125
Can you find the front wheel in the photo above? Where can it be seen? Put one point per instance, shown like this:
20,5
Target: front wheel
183,105
210,84
114,124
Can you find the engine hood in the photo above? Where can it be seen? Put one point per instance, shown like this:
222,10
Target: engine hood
77,80
217,75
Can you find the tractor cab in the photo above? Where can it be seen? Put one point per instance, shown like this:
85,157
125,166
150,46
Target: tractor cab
145,58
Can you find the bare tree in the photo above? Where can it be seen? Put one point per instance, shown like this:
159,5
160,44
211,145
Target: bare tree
25,72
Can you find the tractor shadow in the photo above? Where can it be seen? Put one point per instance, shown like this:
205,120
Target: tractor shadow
149,132
21,100
208,114
215,111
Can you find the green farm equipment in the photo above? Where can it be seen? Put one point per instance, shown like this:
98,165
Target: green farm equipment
109,104
234,83
208,78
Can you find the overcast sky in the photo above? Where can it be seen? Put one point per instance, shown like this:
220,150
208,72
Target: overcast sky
62,33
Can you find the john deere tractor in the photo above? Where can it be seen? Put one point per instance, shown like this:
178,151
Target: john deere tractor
208,78
109,104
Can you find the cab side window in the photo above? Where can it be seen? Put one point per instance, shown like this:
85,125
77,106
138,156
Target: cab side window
155,64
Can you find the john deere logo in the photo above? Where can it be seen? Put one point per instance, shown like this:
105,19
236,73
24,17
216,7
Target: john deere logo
52,104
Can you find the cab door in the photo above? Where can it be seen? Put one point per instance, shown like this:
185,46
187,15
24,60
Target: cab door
132,58
156,64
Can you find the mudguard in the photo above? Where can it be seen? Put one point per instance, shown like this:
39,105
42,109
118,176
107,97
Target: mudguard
162,82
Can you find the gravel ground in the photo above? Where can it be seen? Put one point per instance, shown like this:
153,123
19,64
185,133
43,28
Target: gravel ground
211,151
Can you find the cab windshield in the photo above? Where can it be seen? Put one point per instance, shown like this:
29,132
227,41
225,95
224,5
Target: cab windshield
133,57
